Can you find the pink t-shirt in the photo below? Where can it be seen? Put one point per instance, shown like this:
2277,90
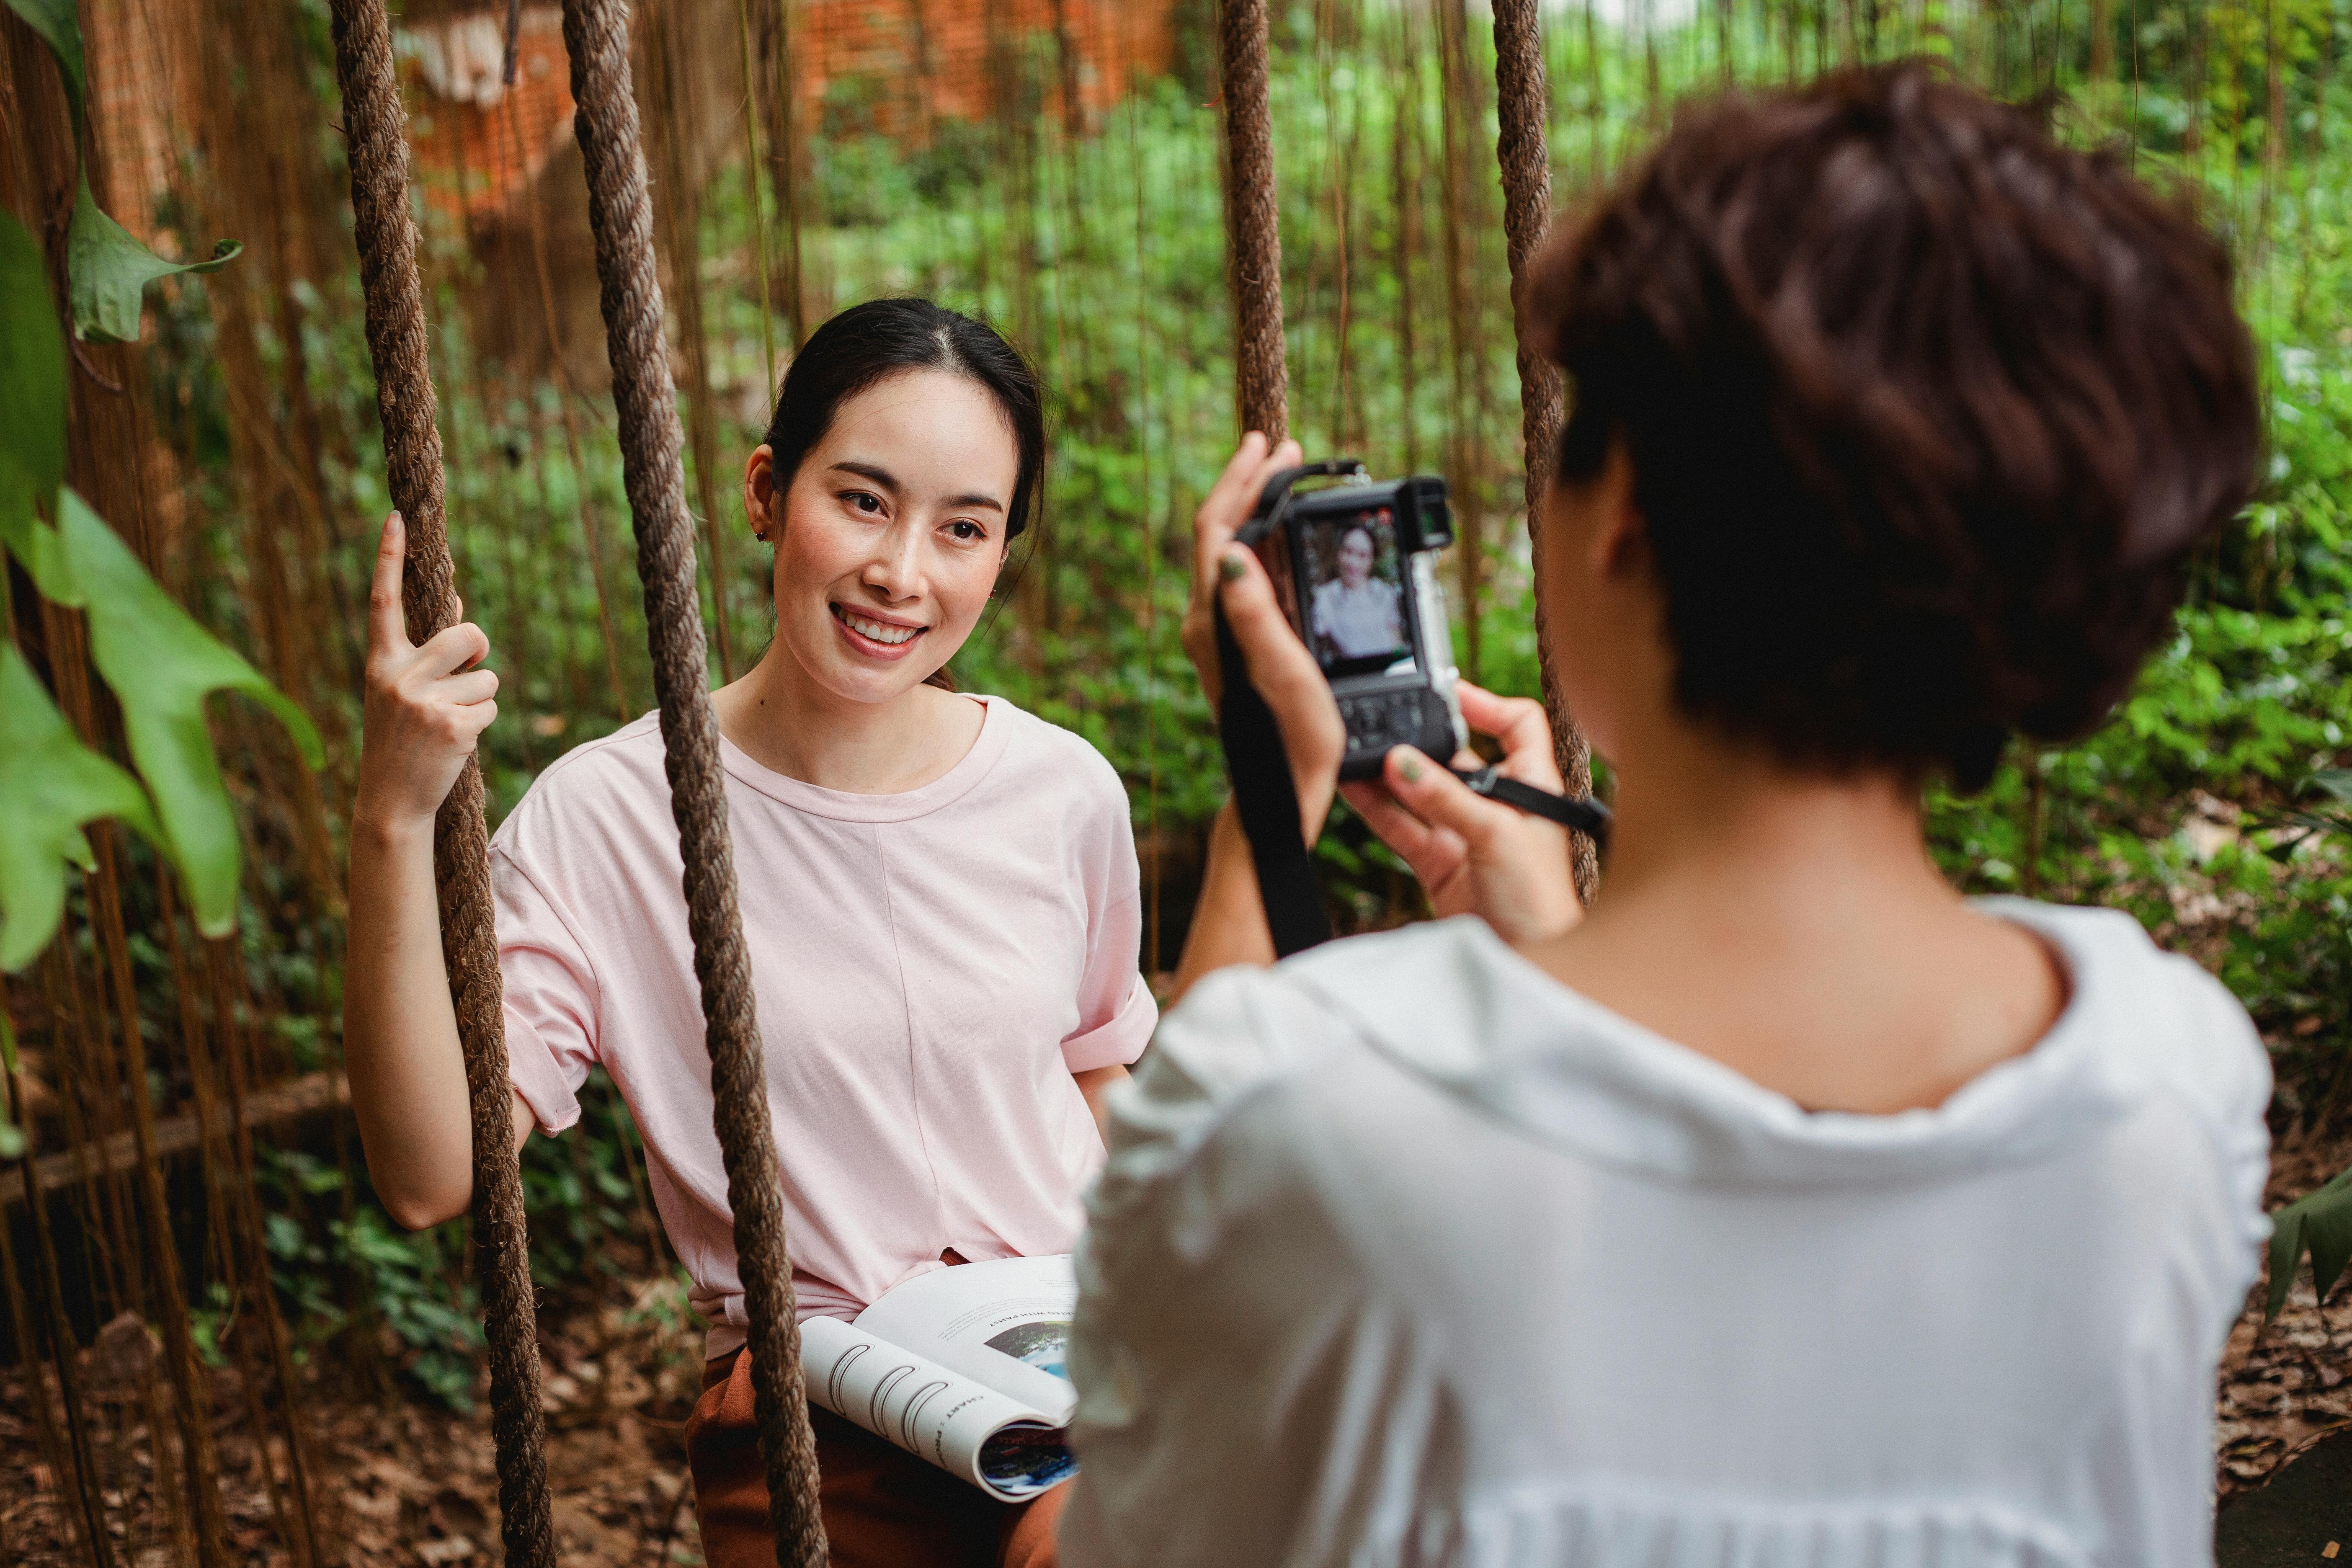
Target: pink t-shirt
930,970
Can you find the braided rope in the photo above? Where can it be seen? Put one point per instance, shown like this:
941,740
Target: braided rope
375,129
620,213
1522,97
1253,270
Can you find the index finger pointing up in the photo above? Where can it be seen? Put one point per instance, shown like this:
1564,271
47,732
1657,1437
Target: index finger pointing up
1232,499
1216,522
387,630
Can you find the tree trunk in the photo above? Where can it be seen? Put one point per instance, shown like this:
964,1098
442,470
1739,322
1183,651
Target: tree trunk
1523,148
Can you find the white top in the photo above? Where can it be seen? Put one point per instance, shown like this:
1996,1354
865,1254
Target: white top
1406,1254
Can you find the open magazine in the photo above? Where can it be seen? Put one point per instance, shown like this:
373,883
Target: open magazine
961,1366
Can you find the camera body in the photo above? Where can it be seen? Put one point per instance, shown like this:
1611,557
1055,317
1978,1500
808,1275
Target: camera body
1354,567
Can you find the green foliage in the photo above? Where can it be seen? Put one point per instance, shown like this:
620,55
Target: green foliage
404,1276
581,1192
211,1323
163,666
32,401
160,663
346,1270
2319,1223
53,785
350,1275
13,1142
108,269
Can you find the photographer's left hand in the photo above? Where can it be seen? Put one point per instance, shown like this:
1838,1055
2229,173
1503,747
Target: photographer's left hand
1228,920
1280,667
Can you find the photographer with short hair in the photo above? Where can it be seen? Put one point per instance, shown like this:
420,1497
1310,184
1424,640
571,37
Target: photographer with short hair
1788,1208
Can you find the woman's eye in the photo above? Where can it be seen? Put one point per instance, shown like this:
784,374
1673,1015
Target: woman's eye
966,531
864,501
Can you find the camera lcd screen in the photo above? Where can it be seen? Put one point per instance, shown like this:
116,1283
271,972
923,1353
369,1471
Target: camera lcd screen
1352,593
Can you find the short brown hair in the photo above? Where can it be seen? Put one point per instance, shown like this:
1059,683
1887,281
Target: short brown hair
1926,413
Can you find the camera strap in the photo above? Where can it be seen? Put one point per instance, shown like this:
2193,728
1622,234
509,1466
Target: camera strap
1266,800
1580,812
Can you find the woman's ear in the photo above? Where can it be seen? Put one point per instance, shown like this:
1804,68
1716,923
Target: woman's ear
1619,541
761,502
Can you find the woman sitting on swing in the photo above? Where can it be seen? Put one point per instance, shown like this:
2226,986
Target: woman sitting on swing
940,892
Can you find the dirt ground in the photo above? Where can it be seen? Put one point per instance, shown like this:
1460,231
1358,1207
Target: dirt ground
401,1479
404,1483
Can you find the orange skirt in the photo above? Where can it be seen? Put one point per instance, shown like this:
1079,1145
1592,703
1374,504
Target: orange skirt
883,1507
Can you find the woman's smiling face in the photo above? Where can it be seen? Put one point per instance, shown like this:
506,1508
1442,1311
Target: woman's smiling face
892,533
1355,557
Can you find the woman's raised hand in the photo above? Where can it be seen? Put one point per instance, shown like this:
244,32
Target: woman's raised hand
425,706
1473,854
1281,669
1222,511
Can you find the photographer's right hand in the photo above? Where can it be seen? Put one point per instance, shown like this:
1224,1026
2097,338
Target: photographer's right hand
1475,855
426,706
1222,513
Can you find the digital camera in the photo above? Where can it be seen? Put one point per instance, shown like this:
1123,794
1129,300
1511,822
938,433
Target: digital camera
1354,568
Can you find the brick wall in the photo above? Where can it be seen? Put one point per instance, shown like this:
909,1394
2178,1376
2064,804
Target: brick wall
909,62
894,66
478,143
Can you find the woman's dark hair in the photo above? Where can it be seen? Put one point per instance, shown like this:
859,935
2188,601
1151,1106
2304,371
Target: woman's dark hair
1925,414
882,338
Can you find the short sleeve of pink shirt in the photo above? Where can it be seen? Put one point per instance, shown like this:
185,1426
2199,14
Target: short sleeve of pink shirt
930,970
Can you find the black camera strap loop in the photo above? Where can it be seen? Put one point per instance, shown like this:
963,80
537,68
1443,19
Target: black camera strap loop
1580,812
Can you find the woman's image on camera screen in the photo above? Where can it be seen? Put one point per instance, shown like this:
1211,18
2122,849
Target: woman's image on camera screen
1356,601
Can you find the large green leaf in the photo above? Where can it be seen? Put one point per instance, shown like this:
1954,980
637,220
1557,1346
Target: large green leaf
107,271
53,785
32,407
2321,1223
163,666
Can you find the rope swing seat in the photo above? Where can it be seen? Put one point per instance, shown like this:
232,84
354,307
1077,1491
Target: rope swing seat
596,36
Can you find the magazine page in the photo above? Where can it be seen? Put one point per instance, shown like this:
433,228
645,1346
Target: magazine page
1000,1445
1004,1324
